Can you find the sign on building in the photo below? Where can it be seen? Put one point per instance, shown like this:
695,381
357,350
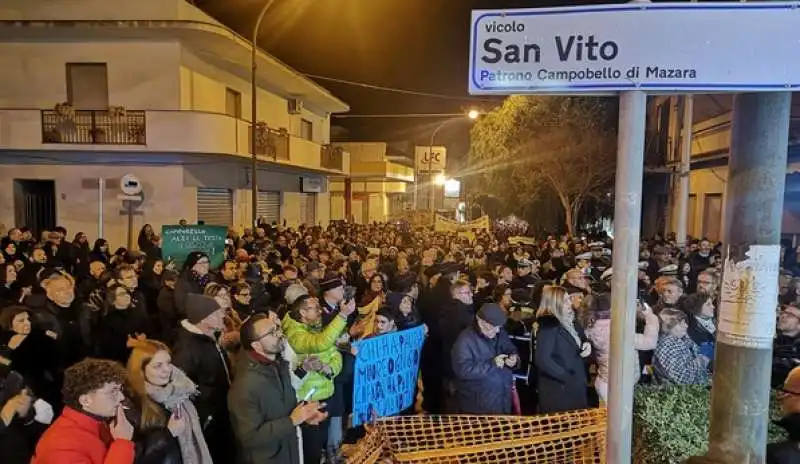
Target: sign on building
656,47
430,159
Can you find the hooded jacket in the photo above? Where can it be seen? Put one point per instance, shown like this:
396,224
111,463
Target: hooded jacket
307,340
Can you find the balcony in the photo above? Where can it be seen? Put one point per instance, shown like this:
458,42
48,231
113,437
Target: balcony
271,142
167,131
332,157
90,127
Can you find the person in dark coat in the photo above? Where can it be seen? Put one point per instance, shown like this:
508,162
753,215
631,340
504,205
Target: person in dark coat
559,355
264,410
120,320
457,315
483,357
788,452
169,319
193,279
198,354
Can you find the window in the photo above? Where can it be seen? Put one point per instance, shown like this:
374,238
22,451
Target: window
712,216
306,129
233,103
87,86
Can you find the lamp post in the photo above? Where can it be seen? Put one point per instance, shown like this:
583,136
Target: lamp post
254,109
471,114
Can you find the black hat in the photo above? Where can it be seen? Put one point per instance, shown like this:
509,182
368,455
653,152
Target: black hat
433,270
493,314
254,273
331,281
199,307
450,268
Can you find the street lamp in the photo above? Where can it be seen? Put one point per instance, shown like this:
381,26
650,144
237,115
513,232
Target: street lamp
254,108
472,115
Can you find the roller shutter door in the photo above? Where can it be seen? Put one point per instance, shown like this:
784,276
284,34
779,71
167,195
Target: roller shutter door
269,206
308,208
215,206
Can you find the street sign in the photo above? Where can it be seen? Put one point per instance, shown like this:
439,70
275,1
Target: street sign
130,185
660,47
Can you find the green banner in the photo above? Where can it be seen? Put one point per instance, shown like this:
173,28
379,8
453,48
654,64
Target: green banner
179,241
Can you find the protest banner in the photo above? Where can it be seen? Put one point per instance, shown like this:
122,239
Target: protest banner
179,241
386,373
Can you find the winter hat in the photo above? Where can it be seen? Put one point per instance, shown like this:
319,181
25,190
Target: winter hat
493,314
192,259
331,281
254,273
313,266
199,307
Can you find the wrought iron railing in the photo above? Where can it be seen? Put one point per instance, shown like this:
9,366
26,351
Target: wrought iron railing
332,157
271,142
120,127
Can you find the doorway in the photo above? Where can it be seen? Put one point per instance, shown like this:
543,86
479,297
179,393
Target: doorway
35,205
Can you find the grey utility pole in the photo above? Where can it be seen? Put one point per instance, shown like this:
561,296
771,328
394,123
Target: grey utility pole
756,178
254,109
627,216
682,200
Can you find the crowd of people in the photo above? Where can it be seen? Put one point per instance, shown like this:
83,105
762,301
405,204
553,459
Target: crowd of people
124,357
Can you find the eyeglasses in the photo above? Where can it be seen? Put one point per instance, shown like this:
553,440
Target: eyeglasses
784,391
275,332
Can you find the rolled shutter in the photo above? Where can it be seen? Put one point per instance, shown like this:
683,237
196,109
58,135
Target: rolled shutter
269,206
215,206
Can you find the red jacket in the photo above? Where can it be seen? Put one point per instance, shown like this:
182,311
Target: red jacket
76,438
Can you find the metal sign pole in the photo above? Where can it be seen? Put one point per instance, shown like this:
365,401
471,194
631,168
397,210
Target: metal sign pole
627,217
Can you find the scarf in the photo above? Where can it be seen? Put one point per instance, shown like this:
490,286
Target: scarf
706,323
366,326
177,395
568,322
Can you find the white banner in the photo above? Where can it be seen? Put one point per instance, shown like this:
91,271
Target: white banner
659,47
430,159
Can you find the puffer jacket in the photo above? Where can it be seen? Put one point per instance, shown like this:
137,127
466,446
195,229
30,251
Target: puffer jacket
317,341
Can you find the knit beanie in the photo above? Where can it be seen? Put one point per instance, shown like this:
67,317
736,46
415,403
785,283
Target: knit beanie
199,307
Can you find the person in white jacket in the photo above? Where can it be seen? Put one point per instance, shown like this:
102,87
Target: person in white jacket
599,335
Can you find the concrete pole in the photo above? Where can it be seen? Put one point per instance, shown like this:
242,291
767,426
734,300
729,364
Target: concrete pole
627,218
101,187
254,110
754,210
682,202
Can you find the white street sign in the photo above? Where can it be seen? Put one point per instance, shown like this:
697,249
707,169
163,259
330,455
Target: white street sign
659,47
130,185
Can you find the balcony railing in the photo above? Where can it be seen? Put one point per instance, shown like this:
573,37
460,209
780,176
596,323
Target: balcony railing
332,157
271,142
103,127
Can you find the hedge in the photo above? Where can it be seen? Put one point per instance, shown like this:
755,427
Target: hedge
670,423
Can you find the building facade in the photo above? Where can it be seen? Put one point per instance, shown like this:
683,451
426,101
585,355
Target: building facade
380,186
93,90
710,150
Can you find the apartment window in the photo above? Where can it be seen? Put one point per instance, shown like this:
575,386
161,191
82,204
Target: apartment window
87,86
233,103
306,129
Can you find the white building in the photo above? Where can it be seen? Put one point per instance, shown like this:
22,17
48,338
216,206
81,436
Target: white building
158,89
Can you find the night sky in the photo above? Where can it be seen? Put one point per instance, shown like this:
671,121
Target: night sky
412,44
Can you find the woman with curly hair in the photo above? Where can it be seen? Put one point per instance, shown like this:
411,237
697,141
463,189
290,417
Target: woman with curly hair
168,429
92,395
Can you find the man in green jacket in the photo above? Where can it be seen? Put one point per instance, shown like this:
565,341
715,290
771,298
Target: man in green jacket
264,410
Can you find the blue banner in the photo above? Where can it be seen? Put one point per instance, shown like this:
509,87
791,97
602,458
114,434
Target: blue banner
386,373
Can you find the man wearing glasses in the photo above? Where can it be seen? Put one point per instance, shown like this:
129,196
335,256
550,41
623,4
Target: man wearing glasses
264,410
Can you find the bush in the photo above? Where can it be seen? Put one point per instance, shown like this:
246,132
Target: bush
670,423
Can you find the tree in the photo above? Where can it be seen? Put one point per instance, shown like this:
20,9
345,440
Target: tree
564,144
